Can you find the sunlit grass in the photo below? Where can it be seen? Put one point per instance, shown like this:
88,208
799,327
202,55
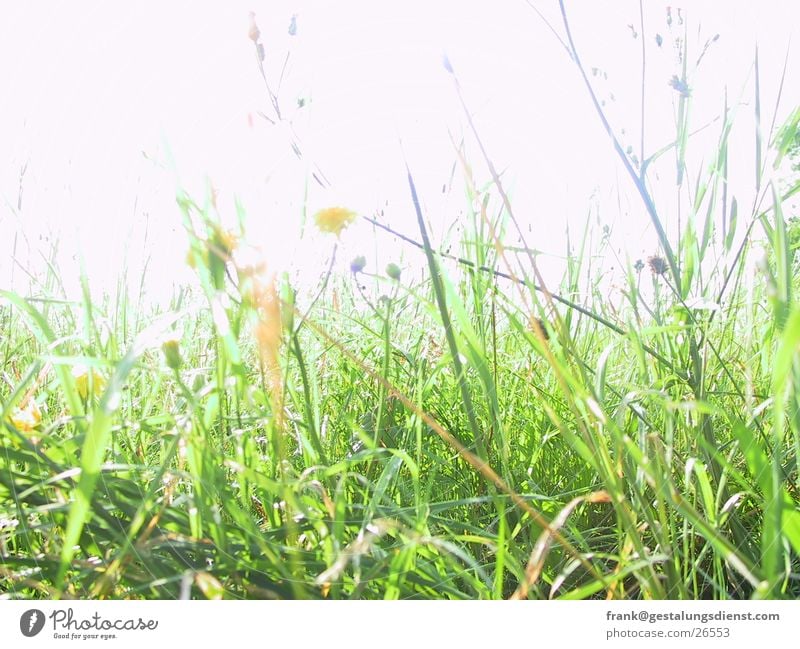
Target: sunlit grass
472,434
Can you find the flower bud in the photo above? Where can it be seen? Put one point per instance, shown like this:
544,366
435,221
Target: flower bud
172,353
358,264
393,271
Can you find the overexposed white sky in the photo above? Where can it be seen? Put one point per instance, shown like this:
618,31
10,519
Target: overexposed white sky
109,107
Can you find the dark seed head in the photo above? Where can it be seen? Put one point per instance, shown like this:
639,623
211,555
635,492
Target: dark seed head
680,85
537,324
657,264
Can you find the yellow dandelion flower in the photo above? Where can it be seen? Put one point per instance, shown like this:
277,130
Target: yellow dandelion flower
81,374
27,418
334,219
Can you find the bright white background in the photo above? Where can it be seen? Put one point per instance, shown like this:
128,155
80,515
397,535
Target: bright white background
110,107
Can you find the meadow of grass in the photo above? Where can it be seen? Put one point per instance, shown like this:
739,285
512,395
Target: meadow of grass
466,434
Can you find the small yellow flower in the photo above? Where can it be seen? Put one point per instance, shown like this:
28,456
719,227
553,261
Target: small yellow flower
191,258
81,374
172,352
27,418
334,219
225,241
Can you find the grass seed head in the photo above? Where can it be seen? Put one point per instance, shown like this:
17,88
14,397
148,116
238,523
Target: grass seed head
657,264
537,324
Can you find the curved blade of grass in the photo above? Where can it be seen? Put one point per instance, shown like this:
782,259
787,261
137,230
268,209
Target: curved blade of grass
96,441
544,542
